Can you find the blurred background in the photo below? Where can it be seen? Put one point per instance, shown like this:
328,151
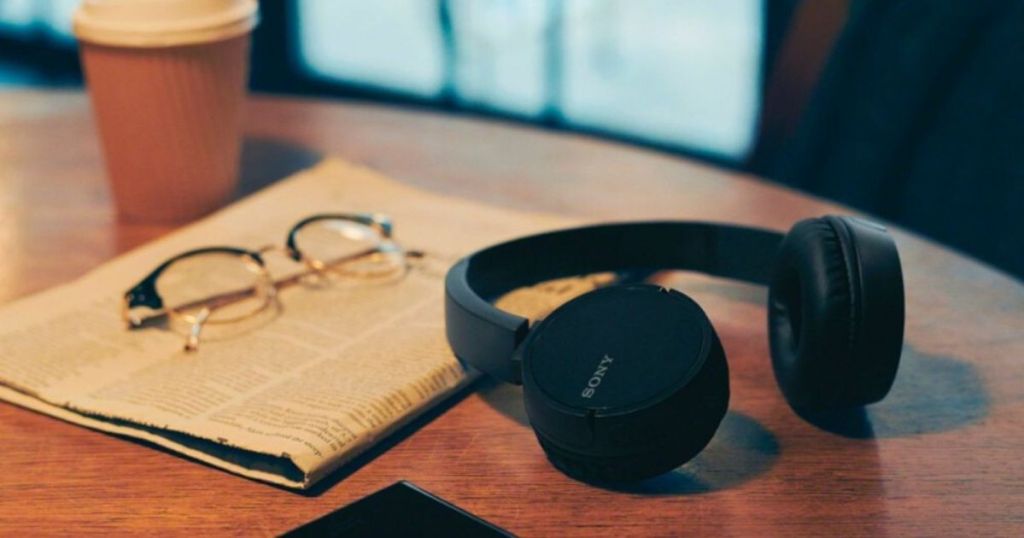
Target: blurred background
911,110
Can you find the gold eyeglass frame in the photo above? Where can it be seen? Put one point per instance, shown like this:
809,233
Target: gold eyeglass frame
144,294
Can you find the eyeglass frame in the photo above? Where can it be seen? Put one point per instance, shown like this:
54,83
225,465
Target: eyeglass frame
144,294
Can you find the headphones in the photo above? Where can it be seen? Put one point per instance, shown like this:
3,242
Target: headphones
629,381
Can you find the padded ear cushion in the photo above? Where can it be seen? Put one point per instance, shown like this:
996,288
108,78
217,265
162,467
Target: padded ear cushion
812,316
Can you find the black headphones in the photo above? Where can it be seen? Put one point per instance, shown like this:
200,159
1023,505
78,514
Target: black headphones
629,381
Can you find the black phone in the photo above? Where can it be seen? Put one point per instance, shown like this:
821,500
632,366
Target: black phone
401,509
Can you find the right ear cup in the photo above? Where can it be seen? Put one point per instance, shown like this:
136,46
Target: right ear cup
835,313
624,383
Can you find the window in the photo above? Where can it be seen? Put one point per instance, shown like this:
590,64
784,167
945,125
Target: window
49,19
680,73
394,45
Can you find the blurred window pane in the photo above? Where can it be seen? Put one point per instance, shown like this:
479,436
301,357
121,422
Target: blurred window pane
58,18
32,30
24,17
500,54
394,44
16,16
682,72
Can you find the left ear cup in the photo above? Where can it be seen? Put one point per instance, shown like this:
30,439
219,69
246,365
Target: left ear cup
835,313
624,383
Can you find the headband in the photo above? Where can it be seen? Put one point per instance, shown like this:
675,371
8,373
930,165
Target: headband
487,337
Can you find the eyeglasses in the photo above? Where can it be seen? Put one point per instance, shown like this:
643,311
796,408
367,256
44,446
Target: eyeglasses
222,285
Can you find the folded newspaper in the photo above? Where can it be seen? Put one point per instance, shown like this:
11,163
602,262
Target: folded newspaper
288,401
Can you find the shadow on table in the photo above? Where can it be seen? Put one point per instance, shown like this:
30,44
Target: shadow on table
932,393
741,449
266,160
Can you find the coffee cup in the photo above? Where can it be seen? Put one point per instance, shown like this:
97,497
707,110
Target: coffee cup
167,81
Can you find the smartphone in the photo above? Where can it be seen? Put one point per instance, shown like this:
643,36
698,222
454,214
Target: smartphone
401,509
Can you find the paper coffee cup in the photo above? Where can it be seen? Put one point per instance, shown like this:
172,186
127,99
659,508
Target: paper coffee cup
167,80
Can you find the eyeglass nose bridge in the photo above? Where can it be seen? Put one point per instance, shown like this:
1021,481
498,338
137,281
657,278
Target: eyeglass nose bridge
292,254
285,250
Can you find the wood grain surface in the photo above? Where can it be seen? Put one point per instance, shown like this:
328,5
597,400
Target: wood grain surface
941,456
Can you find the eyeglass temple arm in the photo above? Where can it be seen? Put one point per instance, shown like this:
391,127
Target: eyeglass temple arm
192,343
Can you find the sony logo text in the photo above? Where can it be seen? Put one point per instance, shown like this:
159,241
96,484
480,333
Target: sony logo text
597,377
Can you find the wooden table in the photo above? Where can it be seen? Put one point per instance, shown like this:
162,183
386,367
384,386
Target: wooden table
941,456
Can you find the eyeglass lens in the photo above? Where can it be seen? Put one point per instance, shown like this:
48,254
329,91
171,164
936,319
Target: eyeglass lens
230,286
347,248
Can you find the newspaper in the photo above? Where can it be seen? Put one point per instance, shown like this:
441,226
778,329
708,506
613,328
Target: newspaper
335,369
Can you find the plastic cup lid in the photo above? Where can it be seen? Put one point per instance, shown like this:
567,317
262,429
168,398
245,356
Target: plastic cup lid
163,23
